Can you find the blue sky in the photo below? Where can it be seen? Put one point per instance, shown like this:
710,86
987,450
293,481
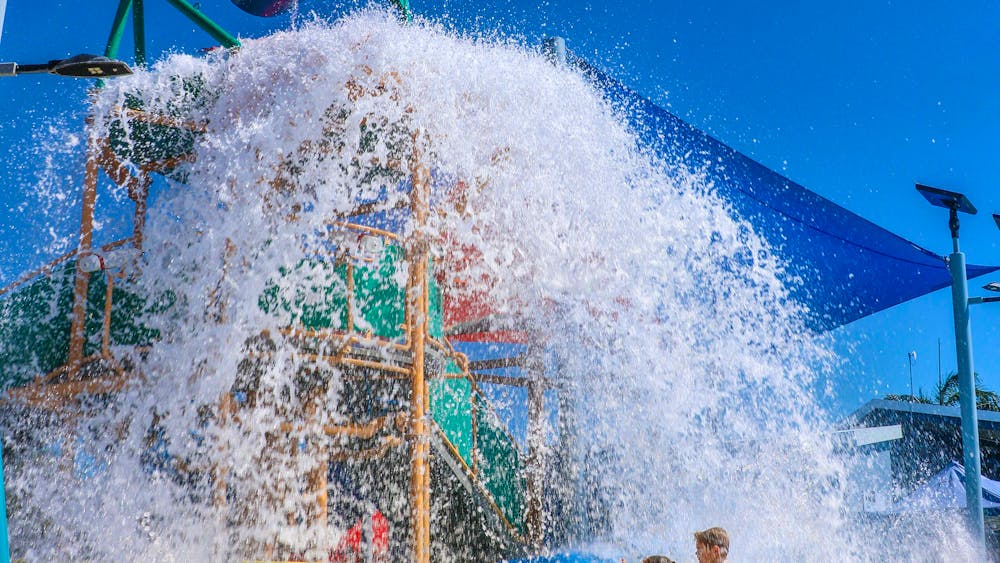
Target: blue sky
856,100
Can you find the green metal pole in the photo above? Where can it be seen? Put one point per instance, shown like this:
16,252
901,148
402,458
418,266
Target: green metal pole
139,32
4,540
554,49
202,21
117,29
404,9
966,388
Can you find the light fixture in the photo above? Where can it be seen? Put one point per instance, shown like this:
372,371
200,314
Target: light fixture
971,454
948,200
79,66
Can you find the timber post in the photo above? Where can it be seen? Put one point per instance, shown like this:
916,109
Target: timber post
535,474
81,284
416,316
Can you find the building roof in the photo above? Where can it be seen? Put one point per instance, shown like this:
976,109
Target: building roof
986,418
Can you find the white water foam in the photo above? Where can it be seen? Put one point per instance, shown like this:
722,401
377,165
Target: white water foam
691,372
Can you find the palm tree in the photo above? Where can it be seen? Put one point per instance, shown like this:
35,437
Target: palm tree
947,394
921,398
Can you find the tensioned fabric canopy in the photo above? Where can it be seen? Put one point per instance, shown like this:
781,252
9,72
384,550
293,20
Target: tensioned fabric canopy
849,267
946,490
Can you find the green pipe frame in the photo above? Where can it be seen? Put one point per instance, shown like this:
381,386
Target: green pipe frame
139,29
404,9
139,32
117,29
201,20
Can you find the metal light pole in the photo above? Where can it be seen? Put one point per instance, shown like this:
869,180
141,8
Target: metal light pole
3,11
956,202
80,66
910,357
4,537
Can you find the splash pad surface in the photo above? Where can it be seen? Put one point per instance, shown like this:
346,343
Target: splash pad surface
680,371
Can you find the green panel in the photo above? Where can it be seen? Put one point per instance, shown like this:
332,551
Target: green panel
127,311
379,295
35,323
451,407
34,326
500,467
142,143
312,293
315,296
435,322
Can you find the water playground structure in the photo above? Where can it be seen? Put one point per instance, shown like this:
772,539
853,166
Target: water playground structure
410,407
364,399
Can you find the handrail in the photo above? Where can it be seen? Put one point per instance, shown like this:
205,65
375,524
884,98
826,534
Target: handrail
479,485
363,228
345,338
492,410
334,360
478,400
364,431
47,268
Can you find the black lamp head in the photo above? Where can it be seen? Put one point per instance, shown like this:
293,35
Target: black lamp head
946,199
89,66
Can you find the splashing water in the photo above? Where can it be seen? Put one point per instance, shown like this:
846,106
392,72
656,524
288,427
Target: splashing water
684,371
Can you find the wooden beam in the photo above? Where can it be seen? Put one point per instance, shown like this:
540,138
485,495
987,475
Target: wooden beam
387,444
374,207
141,199
109,290
78,319
165,120
116,170
65,394
316,478
360,431
167,163
220,470
535,467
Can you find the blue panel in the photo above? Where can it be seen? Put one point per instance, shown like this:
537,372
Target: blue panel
567,557
850,267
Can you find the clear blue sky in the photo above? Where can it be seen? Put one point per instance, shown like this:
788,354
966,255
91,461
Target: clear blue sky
855,100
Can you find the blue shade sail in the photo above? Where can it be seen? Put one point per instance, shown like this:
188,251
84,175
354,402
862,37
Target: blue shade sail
848,267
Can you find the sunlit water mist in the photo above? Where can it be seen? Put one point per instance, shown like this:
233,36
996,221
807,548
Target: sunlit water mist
665,323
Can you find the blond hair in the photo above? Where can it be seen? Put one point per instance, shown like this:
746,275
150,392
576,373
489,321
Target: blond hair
714,536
